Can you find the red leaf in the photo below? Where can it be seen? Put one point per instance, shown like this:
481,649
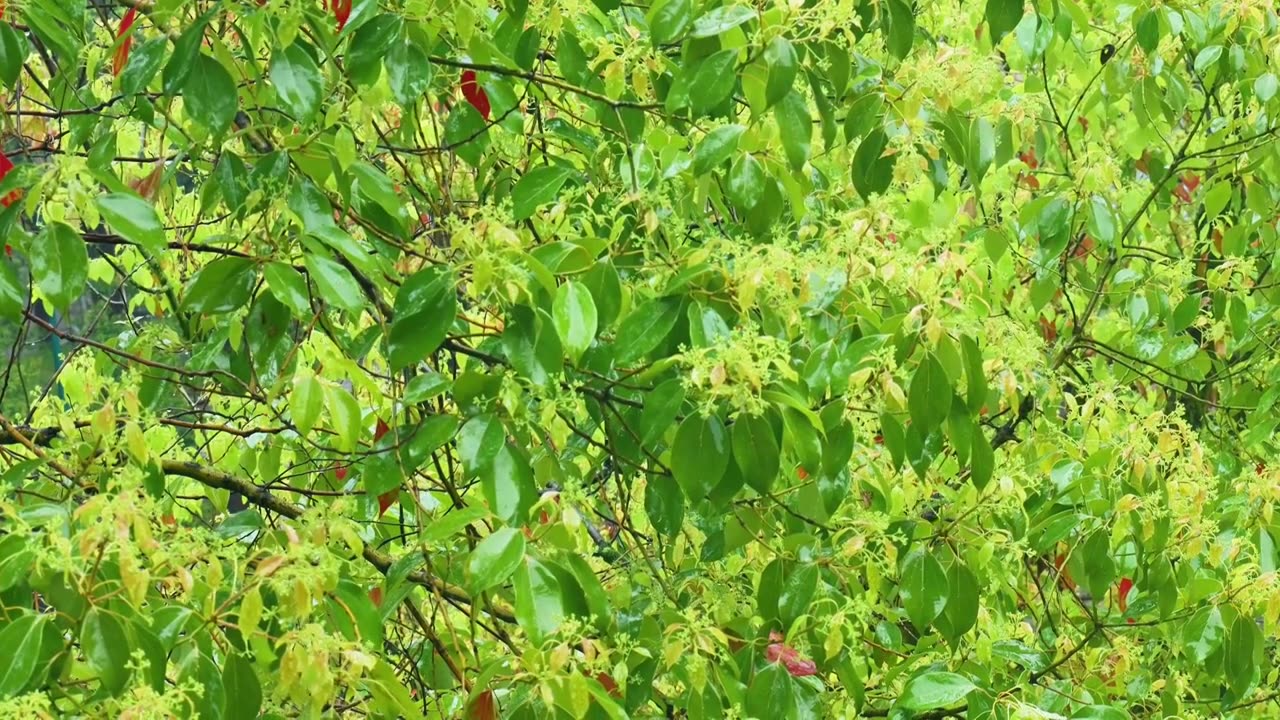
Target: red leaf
1143,164
1122,594
1060,564
387,499
380,430
1029,157
483,708
1186,187
779,651
376,595
340,472
475,94
609,684
5,166
1048,330
341,12
122,52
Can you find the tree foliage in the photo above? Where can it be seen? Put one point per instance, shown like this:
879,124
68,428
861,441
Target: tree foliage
696,358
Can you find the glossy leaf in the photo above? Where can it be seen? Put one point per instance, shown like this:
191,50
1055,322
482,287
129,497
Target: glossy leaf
496,558
700,454
538,187
935,690
60,264
574,313
106,647
923,587
297,79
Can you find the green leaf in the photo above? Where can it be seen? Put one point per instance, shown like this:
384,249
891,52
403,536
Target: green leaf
222,286
452,524
929,398
144,63
297,81
335,282
1239,660
426,307
243,691
1148,30
713,81
935,690
157,659
976,392
866,113
479,442
185,51
772,693
781,59
496,558
796,593
409,73
14,50
664,504
644,329
539,599
755,449
1207,57
289,287
1203,634
796,128
370,43
209,95
538,187
721,19
668,19
60,264
508,485
1216,199
374,184
466,133
197,668
716,147
21,640
13,294
1265,86
902,28
134,220
106,648
1002,17
961,612
746,181
344,416
426,386
923,588
661,406
700,454
574,316
982,149
872,168
981,460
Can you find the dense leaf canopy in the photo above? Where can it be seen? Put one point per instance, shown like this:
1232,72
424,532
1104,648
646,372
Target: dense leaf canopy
685,359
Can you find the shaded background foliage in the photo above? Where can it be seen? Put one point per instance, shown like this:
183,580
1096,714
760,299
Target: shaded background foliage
591,359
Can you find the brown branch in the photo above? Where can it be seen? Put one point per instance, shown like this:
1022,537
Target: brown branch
262,498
